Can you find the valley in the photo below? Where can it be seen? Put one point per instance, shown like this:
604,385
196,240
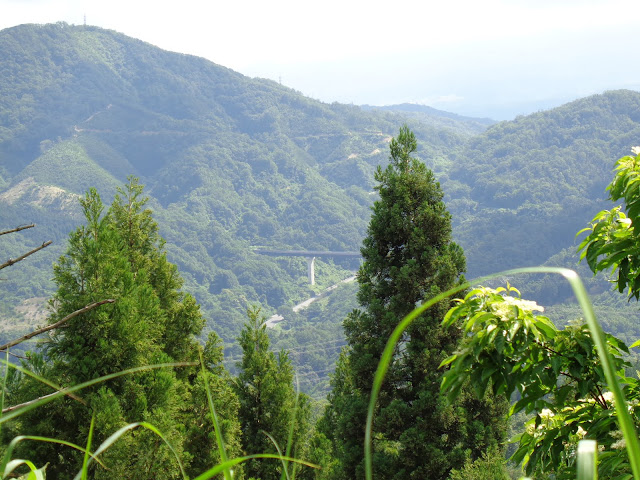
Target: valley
229,162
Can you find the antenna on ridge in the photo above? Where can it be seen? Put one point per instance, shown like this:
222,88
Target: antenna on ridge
85,19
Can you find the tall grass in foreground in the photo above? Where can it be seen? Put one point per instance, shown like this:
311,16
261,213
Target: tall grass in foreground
8,465
587,452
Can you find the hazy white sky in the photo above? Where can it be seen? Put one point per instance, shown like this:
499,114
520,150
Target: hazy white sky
494,58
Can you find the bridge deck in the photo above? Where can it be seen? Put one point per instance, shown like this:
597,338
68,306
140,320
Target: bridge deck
306,253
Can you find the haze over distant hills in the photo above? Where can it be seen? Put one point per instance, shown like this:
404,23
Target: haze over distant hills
231,163
433,116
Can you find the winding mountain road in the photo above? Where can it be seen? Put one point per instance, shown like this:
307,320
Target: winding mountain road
275,319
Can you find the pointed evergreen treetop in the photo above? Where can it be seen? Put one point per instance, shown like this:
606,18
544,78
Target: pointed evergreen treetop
409,256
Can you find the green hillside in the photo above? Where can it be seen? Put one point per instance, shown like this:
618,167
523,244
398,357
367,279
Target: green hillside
532,183
231,163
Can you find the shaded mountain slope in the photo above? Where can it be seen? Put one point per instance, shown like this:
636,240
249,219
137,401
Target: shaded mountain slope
530,184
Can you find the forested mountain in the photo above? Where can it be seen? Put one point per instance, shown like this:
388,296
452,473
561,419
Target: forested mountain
530,184
232,163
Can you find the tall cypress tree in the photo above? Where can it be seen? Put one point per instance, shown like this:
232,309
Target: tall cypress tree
409,257
119,254
268,403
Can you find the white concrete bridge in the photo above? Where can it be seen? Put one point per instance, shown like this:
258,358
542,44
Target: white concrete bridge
310,255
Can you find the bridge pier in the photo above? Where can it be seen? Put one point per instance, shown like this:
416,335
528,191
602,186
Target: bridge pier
310,255
311,270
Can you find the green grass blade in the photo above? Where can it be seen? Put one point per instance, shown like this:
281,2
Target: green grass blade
13,464
285,473
292,424
38,474
383,366
85,461
212,472
624,419
35,376
9,451
214,418
114,437
587,460
4,383
66,391
4,390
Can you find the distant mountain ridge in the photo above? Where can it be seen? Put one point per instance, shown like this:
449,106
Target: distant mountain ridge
430,111
231,162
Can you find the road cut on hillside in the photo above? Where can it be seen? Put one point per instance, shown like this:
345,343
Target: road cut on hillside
275,319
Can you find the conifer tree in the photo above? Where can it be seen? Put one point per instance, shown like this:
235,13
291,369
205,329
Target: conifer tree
119,254
268,403
409,257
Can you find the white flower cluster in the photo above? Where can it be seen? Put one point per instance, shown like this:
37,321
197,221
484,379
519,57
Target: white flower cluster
504,309
608,397
620,443
546,421
546,414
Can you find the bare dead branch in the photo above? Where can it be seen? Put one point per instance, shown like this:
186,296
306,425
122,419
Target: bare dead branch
17,229
11,261
54,325
46,329
15,407
21,357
